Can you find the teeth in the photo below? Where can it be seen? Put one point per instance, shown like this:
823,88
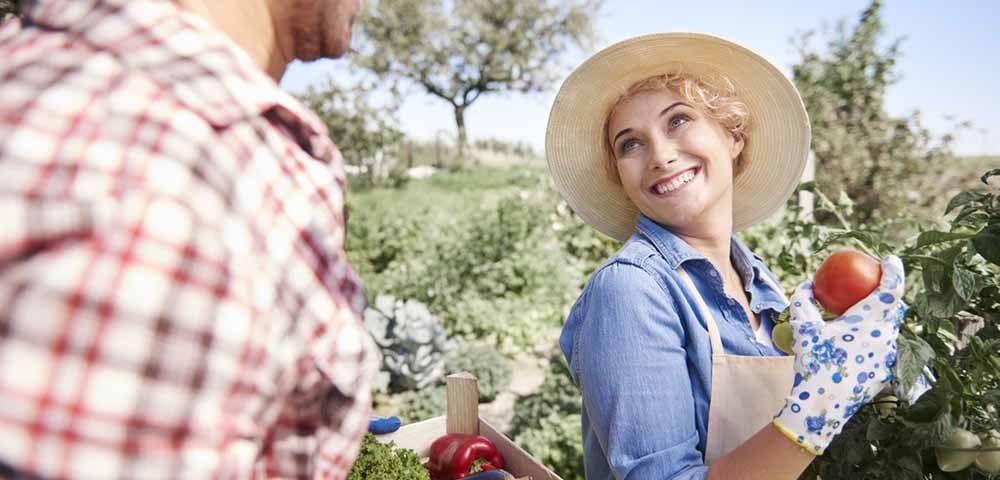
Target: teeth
675,183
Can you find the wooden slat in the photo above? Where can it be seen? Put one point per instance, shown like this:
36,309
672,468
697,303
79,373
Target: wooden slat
463,403
519,462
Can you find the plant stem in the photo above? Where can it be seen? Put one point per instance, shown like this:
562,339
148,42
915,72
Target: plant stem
924,257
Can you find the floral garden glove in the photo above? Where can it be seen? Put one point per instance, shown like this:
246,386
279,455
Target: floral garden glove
840,365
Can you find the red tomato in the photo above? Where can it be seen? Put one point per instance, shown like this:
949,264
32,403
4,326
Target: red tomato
845,278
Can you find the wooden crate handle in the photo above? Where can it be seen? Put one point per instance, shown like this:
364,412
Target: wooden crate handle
463,404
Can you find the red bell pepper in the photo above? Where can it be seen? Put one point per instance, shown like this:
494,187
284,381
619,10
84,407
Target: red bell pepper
452,455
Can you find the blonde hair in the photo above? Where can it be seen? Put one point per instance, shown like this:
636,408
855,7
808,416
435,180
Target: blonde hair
715,96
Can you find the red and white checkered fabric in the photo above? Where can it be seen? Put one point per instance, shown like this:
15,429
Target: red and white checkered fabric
175,301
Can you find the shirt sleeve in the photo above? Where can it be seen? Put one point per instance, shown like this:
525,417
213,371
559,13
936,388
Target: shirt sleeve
319,430
632,369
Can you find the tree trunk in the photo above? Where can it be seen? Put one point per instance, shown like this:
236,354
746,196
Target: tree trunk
460,123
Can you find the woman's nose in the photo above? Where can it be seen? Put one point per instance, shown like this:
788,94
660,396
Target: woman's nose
664,153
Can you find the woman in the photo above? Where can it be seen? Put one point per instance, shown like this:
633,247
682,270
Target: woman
671,143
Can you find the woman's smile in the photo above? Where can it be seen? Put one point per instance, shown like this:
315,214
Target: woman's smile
670,185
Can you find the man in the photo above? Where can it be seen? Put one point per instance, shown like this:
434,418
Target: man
175,301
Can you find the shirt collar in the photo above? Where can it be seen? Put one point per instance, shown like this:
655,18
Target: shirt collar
750,267
207,72
767,292
746,263
673,248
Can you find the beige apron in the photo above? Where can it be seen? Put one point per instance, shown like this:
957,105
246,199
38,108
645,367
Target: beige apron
747,391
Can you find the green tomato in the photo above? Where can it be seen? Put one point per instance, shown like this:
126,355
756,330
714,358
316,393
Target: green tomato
953,460
989,462
782,337
886,405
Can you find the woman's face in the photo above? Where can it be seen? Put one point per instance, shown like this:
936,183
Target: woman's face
675,163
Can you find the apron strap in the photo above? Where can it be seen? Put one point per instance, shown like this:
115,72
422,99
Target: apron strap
713,330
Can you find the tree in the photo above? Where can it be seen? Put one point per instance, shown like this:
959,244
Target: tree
363,131
459,50
879,161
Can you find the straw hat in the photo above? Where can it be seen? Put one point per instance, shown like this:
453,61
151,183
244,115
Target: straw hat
574,143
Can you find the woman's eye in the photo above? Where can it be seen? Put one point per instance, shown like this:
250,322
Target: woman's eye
678,120
629,145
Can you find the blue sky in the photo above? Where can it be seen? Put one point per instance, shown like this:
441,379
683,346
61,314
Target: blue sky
948,68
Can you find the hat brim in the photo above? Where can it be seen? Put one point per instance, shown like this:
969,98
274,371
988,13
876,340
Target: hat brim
774,158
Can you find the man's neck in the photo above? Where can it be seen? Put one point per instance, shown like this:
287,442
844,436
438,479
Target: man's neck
251,25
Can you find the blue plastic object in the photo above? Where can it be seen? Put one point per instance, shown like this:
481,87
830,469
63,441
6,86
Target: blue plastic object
381,425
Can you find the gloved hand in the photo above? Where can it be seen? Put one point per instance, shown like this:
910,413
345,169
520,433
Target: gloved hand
842,364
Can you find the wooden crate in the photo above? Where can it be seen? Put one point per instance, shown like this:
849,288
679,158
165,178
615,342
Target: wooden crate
463,417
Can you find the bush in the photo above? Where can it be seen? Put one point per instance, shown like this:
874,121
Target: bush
547,422
582,243
488,263
417,405
520,324
485,363
556,441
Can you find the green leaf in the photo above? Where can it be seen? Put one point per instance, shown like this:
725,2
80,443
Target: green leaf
987,175
964,213
928,422
987,243
928,408
944,304
935,275
963,198
946,338
932,237
941,343
992,397
910,464
964,282
911,357
879,431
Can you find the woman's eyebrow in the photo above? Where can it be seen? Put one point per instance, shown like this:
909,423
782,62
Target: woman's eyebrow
662,113
665,110
623,132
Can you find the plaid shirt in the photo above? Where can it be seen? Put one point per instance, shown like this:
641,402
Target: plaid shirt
175,299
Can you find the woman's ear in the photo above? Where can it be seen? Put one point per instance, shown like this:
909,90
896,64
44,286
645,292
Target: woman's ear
736,146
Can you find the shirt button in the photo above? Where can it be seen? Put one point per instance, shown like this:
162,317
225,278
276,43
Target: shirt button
713,273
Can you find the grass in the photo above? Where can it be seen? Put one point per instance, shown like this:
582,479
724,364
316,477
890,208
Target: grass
449,193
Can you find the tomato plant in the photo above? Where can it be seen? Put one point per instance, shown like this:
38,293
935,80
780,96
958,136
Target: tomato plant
845,278
952,326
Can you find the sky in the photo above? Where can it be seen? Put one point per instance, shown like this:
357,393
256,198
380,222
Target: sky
948,67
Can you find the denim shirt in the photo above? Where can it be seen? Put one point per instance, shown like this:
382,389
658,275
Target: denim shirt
638,347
